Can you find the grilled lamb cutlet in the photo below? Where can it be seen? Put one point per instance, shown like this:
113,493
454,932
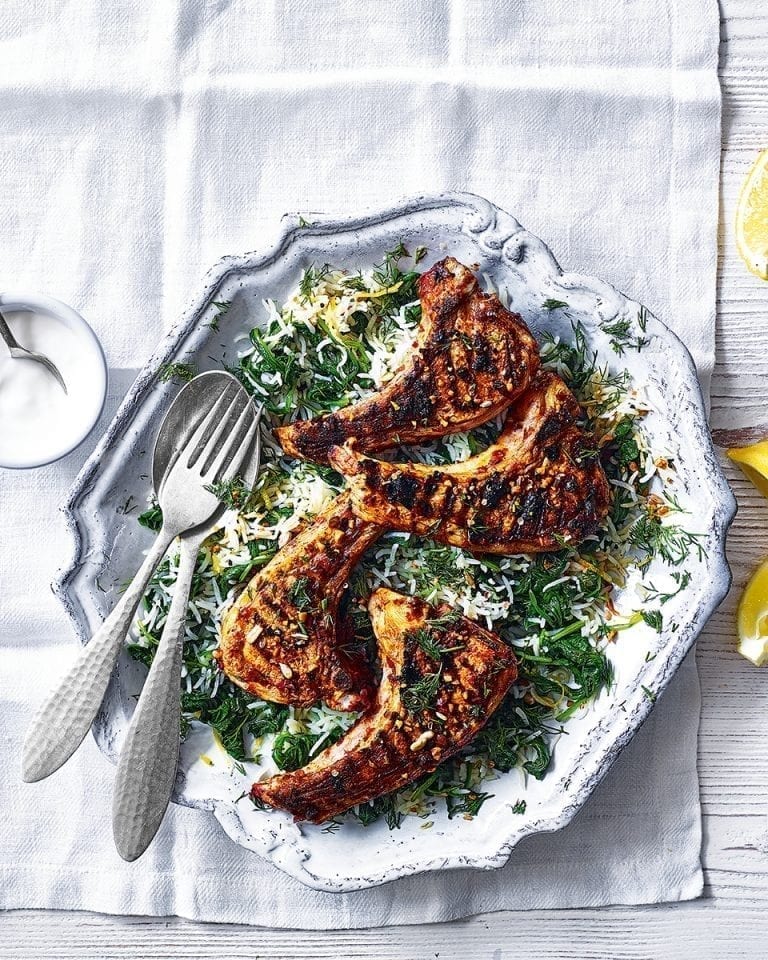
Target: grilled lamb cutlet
470,359
439,687
539,484
281,641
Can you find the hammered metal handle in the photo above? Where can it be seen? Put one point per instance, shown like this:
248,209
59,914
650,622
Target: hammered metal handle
146,770
65,716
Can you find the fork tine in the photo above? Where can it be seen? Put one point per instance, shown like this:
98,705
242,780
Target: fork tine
253,459
235,446
205,453
198,435
244,454
194,432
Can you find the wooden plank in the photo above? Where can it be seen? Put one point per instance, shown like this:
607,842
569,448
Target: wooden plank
693,931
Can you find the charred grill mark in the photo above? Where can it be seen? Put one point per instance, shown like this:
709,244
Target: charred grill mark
471,359
402,488
482,360
417,405
494,490
553,425
389,746
296,655
518,496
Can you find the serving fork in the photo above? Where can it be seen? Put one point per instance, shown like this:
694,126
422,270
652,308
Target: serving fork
146,770
219,437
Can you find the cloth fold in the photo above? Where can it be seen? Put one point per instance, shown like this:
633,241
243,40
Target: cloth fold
181,132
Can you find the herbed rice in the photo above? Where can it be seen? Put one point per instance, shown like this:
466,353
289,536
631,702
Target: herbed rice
338,338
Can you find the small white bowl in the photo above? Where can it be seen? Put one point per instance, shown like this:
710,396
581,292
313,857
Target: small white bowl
91,389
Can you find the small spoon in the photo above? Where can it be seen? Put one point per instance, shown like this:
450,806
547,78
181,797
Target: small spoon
21,353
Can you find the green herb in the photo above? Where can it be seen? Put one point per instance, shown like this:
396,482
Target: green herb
654,619
681,577
466,802
626,449
291,750
622,337
444,622
261,552
229,718
152,518
420,694
223,308
234,494
429,643
649,694
519,806
672,542
304,223
177,371
386,807
298,594
311,277
554,304
419,254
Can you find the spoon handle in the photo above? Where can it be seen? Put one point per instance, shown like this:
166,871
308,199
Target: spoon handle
146,770
65,716
7,334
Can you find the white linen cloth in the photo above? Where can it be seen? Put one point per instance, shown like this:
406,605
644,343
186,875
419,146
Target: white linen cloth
140,142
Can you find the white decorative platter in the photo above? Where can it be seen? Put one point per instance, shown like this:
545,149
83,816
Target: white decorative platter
109,542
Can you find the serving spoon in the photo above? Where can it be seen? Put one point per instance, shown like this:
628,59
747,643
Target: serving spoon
219,429
21,353
146,770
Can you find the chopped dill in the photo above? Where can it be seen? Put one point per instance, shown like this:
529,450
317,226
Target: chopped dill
429,643
654,619
298,594
681,577
183,372
519,806
672,542
223,308
234,494
622,336
420,694
554,305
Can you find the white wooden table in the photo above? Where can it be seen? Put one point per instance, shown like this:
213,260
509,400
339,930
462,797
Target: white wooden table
732,919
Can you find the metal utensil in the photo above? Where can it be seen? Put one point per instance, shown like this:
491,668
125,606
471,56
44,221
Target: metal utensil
146,771
219,434
21,353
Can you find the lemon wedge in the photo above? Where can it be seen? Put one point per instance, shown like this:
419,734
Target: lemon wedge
752,618
752,218
753,460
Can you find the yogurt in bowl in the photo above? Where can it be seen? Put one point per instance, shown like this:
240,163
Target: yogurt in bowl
39,422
